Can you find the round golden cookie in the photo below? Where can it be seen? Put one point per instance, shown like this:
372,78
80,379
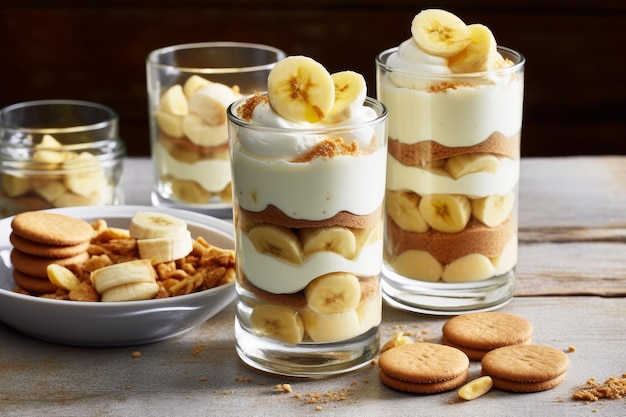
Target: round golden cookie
51,228
525,368
33,285
478,333
36,266
423,388
48,251
423,367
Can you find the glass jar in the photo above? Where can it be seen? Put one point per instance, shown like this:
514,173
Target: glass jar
59,153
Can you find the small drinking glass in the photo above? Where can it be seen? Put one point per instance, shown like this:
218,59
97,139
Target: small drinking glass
189,88
59,153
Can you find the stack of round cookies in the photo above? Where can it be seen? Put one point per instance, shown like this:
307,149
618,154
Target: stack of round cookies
40,238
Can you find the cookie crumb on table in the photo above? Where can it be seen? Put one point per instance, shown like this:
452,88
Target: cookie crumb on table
612,389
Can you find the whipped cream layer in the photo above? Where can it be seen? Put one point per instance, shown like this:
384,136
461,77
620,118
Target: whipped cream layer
212,174
268,273
314,190
475,185
411,58
293,139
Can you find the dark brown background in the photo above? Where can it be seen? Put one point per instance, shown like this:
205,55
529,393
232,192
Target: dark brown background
95,50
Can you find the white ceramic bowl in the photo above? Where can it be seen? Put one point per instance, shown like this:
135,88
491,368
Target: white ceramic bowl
115,323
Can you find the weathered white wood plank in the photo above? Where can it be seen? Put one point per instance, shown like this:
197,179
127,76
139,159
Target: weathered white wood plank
565,268
573,192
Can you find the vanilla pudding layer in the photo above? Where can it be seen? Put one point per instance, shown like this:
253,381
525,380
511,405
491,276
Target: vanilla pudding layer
212,173
479,184
314,191
459,115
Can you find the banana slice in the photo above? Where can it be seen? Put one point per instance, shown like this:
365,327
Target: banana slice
147,225
48,142
89,179
350,93
14,186
472,267
173,101
326,328
507,259
210,103
370,312
193,84
368,235
333,293
419,265
47,156
166,248
403,208
131,292
202,133
50,190
480,54
493,210
439,32
277,241
301,89
130,272
460,165
278,322
398,339
329,239
206,123
170,124
447,213
62,277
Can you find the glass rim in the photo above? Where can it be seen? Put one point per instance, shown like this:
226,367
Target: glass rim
112,116
380,108
381,62
152,61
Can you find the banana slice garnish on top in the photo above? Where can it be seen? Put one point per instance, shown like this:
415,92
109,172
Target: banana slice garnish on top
350,93
301,89
480,55
440,33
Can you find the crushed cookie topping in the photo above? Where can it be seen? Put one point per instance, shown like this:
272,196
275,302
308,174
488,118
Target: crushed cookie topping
446,85
245,111
329,148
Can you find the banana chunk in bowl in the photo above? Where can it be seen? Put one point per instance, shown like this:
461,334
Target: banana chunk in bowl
114,323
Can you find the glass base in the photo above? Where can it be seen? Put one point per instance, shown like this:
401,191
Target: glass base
219,210
307,360
439,298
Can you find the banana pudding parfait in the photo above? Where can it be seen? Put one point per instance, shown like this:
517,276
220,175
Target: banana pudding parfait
189,88
308,159
455,102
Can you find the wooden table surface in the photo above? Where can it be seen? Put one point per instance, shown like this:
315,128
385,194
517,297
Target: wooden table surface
571,286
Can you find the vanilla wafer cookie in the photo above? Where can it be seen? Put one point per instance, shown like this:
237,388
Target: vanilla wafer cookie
525,368
478,333
51,228
425,368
